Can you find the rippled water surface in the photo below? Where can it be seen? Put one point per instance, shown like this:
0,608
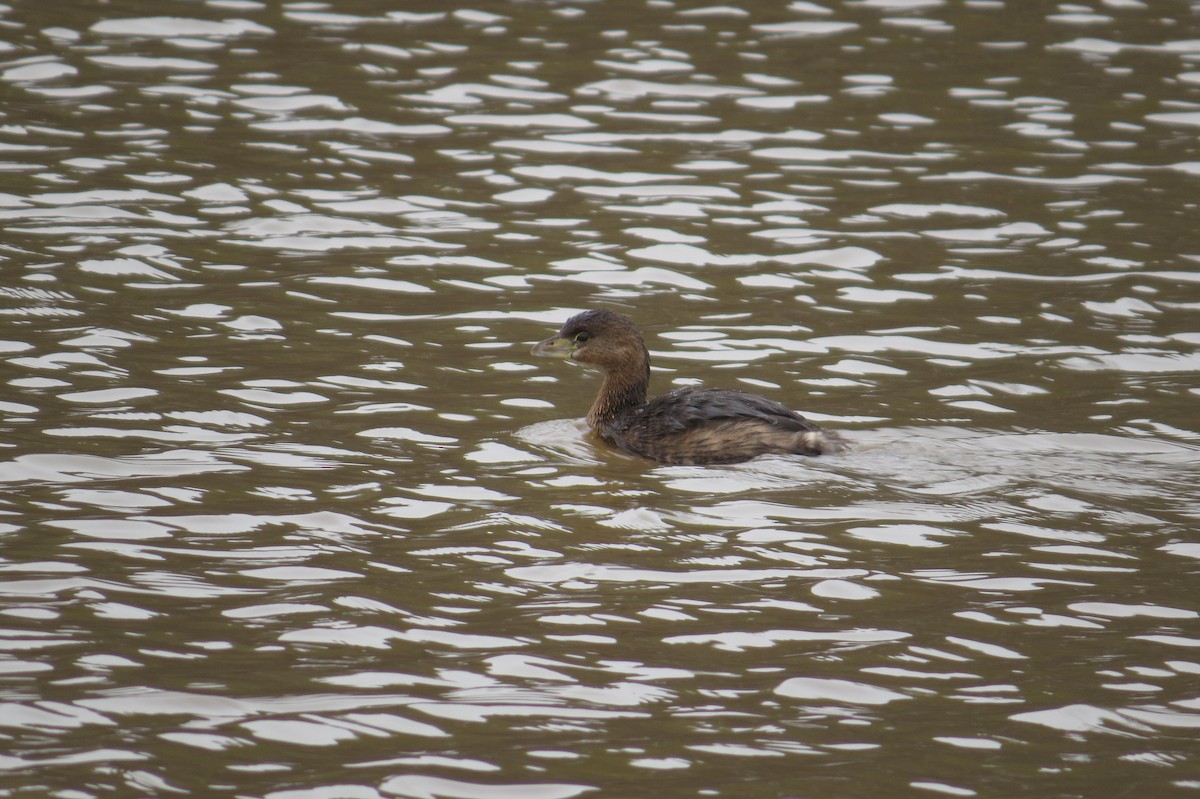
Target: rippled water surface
289,511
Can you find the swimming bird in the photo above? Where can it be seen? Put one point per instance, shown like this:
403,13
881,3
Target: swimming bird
686,426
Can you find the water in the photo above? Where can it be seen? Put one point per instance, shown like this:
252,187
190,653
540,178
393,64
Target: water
289,510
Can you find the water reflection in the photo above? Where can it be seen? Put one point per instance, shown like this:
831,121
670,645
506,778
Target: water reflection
283,488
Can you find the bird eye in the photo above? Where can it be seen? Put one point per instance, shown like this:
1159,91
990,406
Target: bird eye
582,338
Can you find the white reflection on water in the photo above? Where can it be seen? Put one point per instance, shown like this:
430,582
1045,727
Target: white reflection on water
236,240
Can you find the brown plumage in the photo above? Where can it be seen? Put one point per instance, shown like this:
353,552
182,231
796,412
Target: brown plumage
687,425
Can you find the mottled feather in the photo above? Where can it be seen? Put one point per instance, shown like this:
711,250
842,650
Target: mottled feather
713,425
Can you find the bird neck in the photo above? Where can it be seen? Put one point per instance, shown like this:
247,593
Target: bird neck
622,391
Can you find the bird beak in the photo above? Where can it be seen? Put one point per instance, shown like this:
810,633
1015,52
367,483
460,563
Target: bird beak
555,347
